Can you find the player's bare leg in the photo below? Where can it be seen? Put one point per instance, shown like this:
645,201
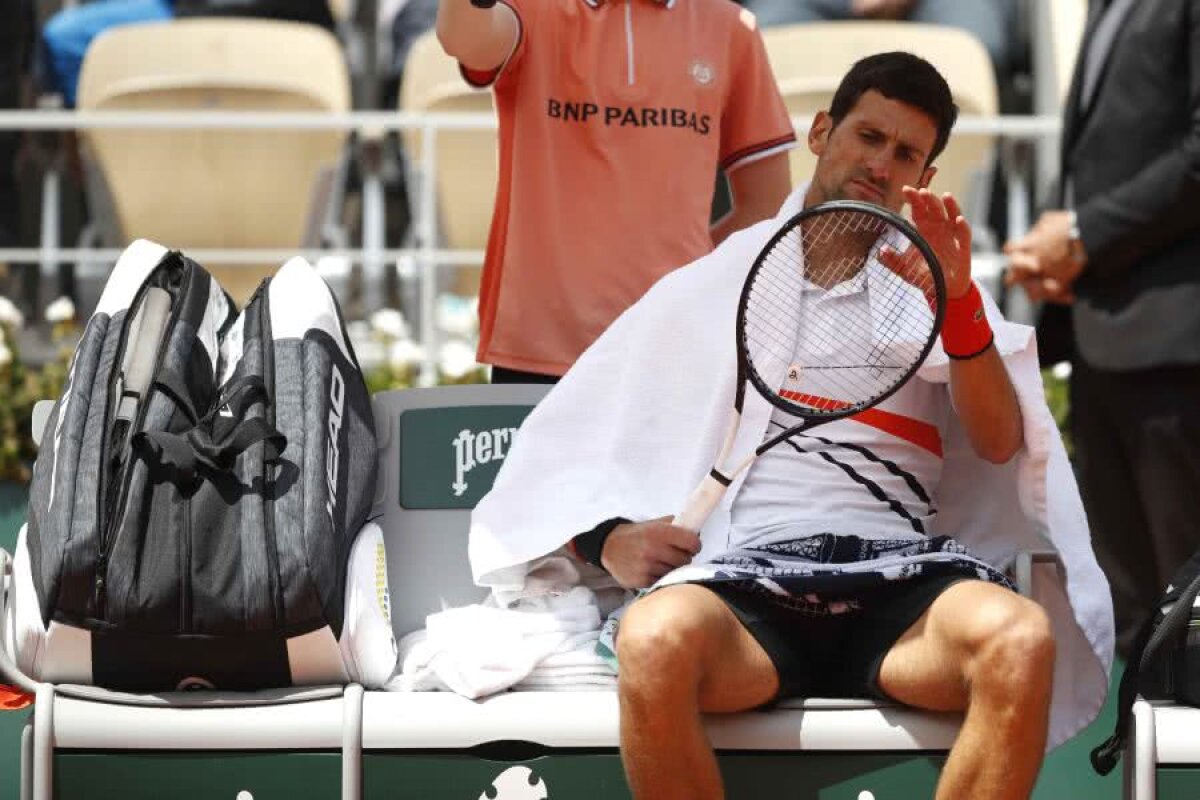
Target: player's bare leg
682,651
991,652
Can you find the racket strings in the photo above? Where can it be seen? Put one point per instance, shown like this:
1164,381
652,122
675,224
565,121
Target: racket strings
793,253
788,292
830,321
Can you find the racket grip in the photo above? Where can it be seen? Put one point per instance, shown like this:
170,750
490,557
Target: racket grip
700,504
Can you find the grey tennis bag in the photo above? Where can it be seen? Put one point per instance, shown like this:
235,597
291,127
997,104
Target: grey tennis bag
199,490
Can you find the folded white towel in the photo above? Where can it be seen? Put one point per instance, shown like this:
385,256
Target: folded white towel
482,649
591,683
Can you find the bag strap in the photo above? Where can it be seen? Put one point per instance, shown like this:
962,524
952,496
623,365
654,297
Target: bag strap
185,452
172,385
1151,637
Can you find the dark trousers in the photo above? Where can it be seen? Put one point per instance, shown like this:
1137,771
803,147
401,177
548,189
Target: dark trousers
506,375
1137,448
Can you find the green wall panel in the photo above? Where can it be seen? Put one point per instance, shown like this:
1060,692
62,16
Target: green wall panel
14,498
446,776
598,776
831,776
1178,783
198,776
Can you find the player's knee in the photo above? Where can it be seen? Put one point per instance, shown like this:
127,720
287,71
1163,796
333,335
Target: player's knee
654,647
1017,659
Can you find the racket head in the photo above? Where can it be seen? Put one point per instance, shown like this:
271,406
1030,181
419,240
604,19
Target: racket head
819,364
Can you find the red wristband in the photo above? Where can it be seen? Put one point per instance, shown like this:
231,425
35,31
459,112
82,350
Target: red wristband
965,331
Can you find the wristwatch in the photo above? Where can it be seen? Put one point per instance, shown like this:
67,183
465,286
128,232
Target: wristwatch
1074,237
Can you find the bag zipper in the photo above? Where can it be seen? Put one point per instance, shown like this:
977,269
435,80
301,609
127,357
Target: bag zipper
114,483
185,573
270,470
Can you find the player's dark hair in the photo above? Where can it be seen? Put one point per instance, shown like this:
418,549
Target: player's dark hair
903,77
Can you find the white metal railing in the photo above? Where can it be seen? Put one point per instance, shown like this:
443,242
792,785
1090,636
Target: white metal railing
30,255
1011,127
1013,130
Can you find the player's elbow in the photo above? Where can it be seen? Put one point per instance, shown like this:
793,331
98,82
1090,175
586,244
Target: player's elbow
458,37
479,39
999,446
449,36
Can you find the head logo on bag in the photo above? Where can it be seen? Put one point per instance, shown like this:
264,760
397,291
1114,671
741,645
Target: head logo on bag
517,783
337,404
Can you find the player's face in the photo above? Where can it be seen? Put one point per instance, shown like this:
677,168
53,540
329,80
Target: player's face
880,146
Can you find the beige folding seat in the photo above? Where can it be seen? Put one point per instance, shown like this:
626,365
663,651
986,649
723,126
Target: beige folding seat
217,188
465,161
809,61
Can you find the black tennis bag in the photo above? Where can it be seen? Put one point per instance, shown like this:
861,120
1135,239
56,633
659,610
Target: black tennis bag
198,489
1164,663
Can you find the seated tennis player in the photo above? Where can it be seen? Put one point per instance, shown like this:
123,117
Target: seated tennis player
860,557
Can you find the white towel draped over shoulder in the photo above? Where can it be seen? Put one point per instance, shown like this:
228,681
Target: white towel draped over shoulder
636,423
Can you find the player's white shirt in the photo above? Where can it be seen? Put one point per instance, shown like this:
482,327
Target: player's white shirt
871,475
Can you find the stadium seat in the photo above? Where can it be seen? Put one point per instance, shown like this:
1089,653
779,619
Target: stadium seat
217,188
442,745
809,61
465,161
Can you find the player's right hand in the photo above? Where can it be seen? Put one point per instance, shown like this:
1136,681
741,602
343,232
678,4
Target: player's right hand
639,553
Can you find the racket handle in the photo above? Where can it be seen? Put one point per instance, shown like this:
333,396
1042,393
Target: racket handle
700,504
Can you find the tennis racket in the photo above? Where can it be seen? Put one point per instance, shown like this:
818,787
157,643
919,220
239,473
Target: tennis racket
838,311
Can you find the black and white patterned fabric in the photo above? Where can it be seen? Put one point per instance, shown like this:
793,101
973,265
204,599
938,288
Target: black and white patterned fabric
823,574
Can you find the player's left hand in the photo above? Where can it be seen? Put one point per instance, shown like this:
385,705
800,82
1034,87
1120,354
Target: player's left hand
941,223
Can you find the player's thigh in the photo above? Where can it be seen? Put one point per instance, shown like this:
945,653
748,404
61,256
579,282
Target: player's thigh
687,633
930,665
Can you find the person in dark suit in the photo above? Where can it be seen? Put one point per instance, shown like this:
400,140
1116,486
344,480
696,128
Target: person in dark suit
1119,263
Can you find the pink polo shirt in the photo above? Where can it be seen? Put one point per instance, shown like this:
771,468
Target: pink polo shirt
614,117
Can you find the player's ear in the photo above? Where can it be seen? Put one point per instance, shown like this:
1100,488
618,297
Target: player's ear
818,132
927,177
